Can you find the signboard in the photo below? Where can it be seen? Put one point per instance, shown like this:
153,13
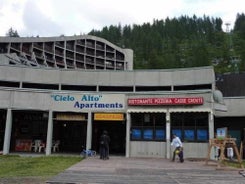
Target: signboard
71,117
109,116
166,101
221,133
23,145
87,102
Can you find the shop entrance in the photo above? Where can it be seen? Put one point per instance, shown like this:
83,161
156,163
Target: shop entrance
71,135
117,132
28,126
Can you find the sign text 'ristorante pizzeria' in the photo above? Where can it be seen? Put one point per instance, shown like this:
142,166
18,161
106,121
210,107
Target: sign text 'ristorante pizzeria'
166,101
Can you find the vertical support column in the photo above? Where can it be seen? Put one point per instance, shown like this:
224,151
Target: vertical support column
211,131
128,125
89,132
211,125
49,133
168,135
7,135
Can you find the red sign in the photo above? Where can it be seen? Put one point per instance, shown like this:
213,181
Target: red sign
166,101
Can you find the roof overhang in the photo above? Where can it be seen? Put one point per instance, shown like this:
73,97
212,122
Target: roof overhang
165,110
146,110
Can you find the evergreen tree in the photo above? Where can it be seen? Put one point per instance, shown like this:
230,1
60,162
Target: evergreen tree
12,33
180,42
240,25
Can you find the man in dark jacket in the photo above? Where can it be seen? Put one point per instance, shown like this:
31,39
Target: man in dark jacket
104,145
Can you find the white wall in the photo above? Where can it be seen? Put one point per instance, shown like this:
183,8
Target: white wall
158,149
147,149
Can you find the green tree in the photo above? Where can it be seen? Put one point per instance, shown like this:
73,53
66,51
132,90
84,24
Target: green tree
12,33
180,42
240,25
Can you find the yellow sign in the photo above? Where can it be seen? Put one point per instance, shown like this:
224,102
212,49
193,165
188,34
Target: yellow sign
70,117
109,116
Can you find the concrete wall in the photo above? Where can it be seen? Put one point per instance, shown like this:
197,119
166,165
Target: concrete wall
191,76
25,100
195,150
147,149
158,149
235,107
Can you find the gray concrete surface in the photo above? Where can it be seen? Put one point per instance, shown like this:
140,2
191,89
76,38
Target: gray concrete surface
121,170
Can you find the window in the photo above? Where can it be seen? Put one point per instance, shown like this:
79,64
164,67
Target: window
148,127
160,134
189,135
177,132
148,134
190,127
136,134
202,135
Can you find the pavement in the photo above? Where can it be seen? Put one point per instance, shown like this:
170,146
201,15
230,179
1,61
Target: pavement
121,170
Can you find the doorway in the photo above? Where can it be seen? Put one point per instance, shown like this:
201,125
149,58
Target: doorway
117,132
71,134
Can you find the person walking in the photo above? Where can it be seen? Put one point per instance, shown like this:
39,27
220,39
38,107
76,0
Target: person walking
104,145
178,148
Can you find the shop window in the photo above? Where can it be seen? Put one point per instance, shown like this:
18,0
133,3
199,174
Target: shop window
177,132
136,134
148,127
190,127
189,135
202,135
160,134
24,129
148,134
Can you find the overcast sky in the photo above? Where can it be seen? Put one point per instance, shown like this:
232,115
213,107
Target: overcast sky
69,17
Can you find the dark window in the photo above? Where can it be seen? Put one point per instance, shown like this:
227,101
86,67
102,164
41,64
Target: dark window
136,133
190,127
148,127
9,84
116,88
78,88
193,87
153,88
40,86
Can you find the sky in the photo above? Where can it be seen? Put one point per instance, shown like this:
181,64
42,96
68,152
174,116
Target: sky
47,18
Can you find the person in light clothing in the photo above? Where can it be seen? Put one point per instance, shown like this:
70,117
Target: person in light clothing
177,144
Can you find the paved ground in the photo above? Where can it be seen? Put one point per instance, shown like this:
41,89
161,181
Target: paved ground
121,170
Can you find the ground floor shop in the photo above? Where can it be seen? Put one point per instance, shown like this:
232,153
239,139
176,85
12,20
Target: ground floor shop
29,130
36,132
139,126
149,133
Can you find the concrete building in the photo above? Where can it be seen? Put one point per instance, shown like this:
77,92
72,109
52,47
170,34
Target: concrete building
48,108
135,107
73,52
231,85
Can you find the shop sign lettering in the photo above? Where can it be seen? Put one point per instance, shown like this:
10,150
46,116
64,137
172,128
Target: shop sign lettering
166,101
63,98
88,101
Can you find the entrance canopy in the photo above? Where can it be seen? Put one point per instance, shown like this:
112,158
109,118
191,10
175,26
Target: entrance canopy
189,110
146,110
164,110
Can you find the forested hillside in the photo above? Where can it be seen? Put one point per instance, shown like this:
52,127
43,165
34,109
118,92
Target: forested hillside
182,42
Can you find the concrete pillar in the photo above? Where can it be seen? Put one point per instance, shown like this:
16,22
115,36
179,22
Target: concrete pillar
49,133
89,132
211,132
211,125
128,125
168,136
8,129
